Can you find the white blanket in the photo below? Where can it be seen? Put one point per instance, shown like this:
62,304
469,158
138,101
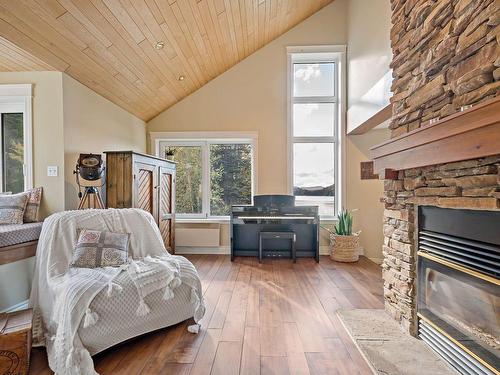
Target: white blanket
61,296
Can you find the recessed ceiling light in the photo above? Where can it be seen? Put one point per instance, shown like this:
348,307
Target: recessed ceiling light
159,45
181,78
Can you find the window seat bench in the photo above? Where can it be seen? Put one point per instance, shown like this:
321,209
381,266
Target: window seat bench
18,241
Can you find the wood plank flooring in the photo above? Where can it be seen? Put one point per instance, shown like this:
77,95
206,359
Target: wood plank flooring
271,318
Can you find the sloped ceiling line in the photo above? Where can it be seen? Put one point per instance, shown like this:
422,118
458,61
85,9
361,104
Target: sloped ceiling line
111,45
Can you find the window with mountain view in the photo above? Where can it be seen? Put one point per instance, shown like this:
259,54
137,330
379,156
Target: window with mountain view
313,113
211,175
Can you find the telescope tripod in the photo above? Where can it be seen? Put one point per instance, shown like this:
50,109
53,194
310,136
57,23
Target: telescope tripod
91,195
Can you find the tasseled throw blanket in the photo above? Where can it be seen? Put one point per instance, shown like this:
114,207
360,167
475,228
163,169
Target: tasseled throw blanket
62,295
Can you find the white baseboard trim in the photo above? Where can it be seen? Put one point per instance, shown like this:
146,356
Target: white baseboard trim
224,250
19,306
221,250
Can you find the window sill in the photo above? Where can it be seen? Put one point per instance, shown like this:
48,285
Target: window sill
221,220
225,220
328,220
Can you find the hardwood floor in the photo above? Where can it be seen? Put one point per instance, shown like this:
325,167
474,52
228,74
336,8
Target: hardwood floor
271,318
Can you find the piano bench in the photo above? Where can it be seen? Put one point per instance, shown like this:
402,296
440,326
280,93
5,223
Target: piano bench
278,235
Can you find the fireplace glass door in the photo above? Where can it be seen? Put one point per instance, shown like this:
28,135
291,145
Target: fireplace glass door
467,307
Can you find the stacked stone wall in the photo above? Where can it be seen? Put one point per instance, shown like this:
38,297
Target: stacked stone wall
471,184
445,56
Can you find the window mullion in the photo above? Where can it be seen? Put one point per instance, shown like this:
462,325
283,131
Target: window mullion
1,154
206,180
313,139
313,99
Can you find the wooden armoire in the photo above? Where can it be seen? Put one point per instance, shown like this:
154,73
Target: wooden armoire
146,182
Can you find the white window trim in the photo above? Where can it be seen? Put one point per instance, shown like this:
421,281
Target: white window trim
199,139
18,99
339,53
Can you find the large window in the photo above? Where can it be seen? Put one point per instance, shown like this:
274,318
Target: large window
314,106
212,175
15,138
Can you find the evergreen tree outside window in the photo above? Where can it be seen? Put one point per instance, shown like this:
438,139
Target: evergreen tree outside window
16,138
230,177
12,152
212,175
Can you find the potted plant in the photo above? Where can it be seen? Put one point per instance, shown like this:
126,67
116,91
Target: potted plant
344,244
170,153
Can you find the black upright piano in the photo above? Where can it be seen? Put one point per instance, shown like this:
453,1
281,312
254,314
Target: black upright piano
274,213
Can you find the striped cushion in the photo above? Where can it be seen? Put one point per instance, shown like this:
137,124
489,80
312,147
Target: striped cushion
33,206
97,248
12,208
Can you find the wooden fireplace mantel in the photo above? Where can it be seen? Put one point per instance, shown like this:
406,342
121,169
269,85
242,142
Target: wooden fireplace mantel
470,134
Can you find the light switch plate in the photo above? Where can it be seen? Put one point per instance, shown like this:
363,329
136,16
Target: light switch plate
52,171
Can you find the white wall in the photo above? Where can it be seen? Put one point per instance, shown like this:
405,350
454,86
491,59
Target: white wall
93,124
368,55
365,194
368,90
48,149
68,118
48,141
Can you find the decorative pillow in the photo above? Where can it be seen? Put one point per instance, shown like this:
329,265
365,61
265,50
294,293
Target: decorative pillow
12,208
96,248
33,206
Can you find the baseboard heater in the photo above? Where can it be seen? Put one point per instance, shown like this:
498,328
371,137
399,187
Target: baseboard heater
197,237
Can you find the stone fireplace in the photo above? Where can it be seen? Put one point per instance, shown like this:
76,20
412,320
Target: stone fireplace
445,130
471,184
413,183
445,57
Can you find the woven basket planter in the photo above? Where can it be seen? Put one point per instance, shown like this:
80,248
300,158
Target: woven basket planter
344,248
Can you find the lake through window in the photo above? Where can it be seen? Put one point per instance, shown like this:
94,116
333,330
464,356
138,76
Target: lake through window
313,119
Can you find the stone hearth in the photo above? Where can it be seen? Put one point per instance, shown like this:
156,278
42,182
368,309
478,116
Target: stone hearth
445,56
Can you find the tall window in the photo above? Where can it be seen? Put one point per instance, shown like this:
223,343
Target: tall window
212,175
314,124
12,145
16,164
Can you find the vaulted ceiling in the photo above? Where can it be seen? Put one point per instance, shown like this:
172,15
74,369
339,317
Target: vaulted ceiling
143,55
15,59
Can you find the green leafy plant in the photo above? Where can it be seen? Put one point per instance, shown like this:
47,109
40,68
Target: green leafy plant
344,225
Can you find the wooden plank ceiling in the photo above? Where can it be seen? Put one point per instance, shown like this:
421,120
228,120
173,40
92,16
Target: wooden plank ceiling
110,45
15,59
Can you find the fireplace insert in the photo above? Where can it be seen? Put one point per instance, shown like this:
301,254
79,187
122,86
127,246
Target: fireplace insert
458,289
